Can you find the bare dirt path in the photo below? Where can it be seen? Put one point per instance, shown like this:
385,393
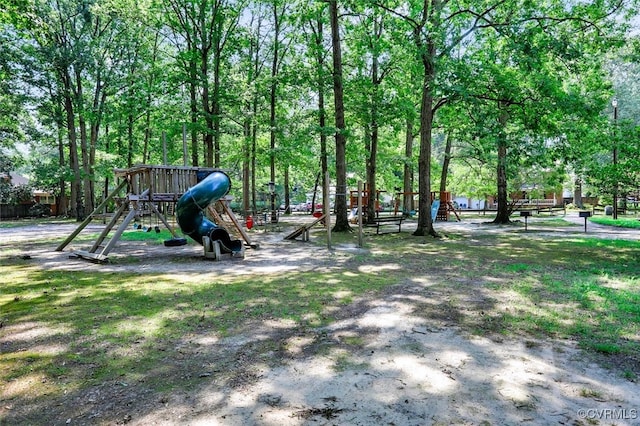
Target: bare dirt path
382,363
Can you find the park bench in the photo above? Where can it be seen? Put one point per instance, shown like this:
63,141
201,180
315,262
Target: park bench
386,220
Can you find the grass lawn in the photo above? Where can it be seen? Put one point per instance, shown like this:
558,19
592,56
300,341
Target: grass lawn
93,327
621,222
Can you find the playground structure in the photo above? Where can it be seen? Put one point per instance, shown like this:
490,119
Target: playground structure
446,206
194,193
353,199
303,231
441,203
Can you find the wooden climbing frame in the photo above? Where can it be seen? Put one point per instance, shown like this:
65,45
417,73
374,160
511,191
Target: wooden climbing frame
145,185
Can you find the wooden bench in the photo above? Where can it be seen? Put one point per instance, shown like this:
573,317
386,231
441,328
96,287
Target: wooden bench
386,220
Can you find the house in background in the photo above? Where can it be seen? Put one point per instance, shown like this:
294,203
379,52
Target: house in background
15,179
24,209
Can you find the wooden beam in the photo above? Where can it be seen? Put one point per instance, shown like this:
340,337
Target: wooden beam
107,228
304,230
89,218
118,233
94,257
237,224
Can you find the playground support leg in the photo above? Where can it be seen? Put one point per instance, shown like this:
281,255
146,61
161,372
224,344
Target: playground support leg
90,217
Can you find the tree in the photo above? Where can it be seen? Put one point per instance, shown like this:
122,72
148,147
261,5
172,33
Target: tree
372,100
207,26
278,51
342,223
316,46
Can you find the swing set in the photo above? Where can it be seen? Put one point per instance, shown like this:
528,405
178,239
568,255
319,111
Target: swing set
146,188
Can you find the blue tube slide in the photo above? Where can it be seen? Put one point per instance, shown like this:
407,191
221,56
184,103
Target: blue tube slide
190,211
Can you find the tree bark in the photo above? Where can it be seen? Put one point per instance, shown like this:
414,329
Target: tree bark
62,201
193,107
246,161
445,164
342,222
322,116
373,141
425,223
577,193
77,207
504,212
130,141
287,197
216,108
272,105
206,107
87,170
407,181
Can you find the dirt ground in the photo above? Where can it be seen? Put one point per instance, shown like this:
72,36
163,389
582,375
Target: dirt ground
382,363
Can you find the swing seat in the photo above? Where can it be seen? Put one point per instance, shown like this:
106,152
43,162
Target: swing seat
175,242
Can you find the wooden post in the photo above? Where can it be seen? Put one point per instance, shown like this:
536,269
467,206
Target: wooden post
360,243
327,212
184,144
164,148
237,224
116,236
90,217
125,223
107,228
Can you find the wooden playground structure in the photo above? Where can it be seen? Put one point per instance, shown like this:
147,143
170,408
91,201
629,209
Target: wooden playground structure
147,187
444,210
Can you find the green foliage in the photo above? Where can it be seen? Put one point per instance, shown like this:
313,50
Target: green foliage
147,74
621,222
10,194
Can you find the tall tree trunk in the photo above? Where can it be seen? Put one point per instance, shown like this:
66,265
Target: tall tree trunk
425,222
87,170
272,105
146,154
253,128
577,193
320,79
130,141
407,181
99,100
504,211
216,108
149,107
445,164
246,165
246,161
254,151
62,200
287,197
77,207
207,108
342,222
373,145
193,107
107,148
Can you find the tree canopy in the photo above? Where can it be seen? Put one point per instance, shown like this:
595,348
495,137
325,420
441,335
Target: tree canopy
284,91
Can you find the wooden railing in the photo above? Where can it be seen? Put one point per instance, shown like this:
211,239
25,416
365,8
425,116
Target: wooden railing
164,183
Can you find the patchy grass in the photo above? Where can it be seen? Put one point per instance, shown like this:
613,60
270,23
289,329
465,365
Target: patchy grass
150,236
65,331
621,222
552,222
15,223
